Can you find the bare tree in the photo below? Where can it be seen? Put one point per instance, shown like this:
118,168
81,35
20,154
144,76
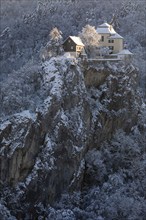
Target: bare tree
54,46
90,38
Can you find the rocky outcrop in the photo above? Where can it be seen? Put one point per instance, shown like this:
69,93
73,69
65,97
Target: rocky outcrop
46,150
95,73
19,147
42,154
113,96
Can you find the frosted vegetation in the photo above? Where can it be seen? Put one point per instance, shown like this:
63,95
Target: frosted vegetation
114,185
24,31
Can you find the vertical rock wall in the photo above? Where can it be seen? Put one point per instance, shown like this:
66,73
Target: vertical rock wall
42,154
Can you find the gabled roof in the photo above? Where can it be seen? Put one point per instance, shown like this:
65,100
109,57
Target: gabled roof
124,52
116,36
104,25
105,28
76,40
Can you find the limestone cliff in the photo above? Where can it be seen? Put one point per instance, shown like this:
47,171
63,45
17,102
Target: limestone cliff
42,154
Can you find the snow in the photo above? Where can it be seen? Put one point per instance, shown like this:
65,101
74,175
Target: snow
80,127
105,25
77,40
48,143
67,55
64,118
47,101
105,29
79,172
49,68
53,77
116,36
4,125
5,213
105,59
108,29
81,168
45,163
56,89
125,52
26,114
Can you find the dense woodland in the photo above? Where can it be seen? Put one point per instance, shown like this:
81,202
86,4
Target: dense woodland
114,182
25,28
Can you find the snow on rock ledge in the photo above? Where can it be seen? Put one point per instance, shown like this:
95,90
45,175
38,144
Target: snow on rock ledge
46,150
49,146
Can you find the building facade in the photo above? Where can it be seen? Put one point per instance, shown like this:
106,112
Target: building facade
73,45
110,38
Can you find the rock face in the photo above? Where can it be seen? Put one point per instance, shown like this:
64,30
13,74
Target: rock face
94,74
43,154
115,99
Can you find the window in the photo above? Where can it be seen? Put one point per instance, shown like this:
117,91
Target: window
72,47
111,47
111,41
69,41
102,38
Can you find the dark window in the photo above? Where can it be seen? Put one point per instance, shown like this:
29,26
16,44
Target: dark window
78,48
102,38
111,47
111,41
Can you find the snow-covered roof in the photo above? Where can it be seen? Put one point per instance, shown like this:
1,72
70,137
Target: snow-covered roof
103,31
104,25
105,28
77,40
116,36
125,52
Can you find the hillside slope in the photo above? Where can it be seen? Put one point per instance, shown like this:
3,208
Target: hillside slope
51,150
26,24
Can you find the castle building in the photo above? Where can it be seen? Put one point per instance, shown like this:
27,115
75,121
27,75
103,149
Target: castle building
110,38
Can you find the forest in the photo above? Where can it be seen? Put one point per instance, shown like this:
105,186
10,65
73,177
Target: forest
25,28
71,150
